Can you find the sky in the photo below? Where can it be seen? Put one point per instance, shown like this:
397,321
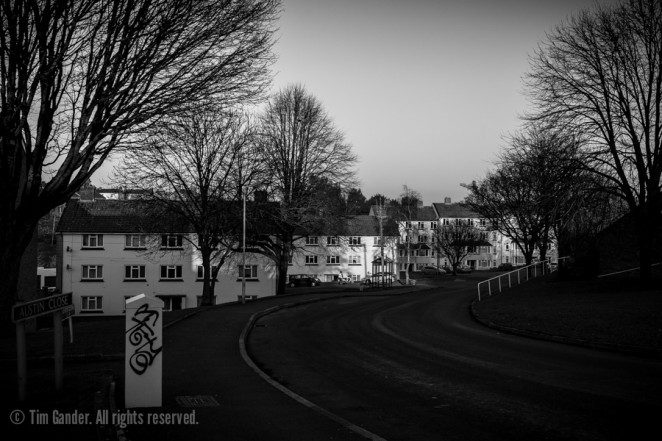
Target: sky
424,91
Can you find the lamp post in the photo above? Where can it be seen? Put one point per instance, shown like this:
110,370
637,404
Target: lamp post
243,250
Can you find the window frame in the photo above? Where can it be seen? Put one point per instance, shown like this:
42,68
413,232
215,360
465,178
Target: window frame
354,240
86,243
252,270
128,272
85,304
333,259
177,269
312,240
166,238
85,273
129,239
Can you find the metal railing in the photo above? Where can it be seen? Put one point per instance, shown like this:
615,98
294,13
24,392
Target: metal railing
530,271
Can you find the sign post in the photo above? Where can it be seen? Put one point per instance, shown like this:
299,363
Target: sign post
143,361
24,311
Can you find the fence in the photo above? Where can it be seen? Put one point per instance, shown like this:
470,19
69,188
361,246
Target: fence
523,274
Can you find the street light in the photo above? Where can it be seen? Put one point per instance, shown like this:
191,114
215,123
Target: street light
243,248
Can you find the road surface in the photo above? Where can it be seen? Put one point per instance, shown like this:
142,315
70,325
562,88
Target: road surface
418,367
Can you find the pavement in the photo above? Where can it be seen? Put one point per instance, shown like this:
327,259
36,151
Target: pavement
211,387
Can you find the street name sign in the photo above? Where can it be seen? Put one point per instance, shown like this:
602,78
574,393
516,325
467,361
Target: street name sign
39,307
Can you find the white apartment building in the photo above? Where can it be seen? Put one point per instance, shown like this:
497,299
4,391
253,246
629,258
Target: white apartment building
354,254
501,249
106,254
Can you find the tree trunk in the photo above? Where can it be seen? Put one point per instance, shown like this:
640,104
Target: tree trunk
647,221
13,243
207,288
282,273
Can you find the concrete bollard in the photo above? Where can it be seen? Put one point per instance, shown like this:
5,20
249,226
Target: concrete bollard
143,361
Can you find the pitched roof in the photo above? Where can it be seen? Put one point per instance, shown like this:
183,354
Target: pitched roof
423,213
114,216
456,210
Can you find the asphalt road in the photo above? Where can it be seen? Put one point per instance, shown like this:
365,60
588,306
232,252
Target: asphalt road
418,367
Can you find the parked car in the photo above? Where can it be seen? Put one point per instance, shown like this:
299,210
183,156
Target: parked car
463,269
505,267
432,270
303,280
447,269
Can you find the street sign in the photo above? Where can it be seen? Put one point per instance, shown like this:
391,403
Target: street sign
38,307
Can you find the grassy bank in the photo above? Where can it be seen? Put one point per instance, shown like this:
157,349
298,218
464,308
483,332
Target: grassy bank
616,311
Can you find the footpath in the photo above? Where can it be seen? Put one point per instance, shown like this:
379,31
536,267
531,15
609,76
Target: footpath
211,389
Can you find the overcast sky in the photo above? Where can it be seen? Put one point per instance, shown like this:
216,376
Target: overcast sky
423,90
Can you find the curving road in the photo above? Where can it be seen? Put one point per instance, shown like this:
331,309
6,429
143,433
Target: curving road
418,367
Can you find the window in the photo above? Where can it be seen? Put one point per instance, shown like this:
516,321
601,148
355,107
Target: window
92,240
171,272
332,240
249,271
507,247
134,272
134,241
483,222
201,271
311,259
312,240
422,238
433,225
92,272
172,303
355,240
171,241
421,225
423,253
445,222
91,304
377,241
355,260
333,260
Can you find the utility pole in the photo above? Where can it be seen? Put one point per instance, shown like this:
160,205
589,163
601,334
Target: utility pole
381,240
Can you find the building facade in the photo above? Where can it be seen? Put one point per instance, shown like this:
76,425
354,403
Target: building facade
106,254
351,255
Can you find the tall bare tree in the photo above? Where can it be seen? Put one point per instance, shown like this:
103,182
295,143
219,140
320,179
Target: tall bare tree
80,77
198,166
301,149
600,74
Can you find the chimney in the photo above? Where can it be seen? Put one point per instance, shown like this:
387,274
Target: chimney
447,200
87,194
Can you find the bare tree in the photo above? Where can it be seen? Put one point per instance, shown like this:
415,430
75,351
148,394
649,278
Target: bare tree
535,189
198,167
80,77
600,74
506,198
301,150
405,212
457,240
